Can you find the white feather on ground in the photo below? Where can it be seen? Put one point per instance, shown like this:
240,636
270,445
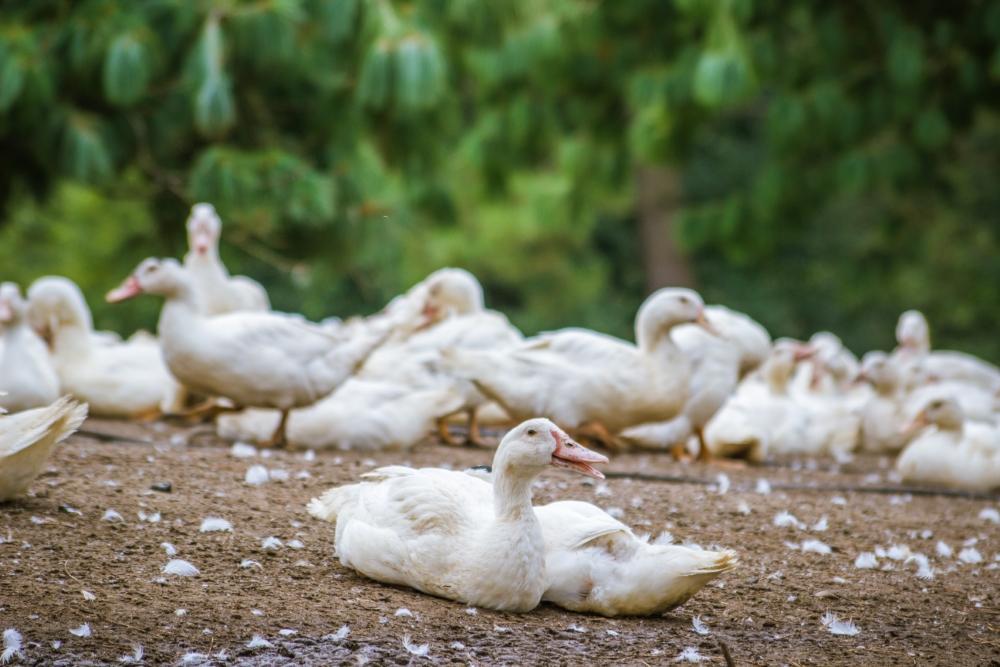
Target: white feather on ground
258,642
271,544
180,567
699,626
214,524
13,644
866,560
111,515
340,635
133,658
82,631
420,650
943,550
990,514
689,654
839,627
970,555
256,475
784,519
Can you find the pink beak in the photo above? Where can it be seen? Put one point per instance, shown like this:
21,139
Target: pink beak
202,242
571,454
919,422
125,291
428,316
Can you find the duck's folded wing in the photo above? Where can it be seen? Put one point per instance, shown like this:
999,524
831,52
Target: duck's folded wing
55,422
571,524
582,346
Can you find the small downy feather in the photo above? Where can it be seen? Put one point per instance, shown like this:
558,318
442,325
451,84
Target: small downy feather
415,649
783,519
258,642
180,568
943,549
169,548
990,514
13,643
866,560
133,658
699,626
256,475
816,546
271,544
214,524
82,631
839,627
340,635
970,555
689,654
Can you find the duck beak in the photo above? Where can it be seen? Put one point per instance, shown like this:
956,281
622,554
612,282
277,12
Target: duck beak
702,321
803,352
571,454
919,422
128,289
428,316
202,241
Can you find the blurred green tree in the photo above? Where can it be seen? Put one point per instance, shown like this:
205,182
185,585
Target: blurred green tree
817,165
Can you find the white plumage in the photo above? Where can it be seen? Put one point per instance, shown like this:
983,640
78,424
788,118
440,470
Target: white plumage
27,439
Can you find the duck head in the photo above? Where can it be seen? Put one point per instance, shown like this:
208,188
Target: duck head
912,332
163,277
12,305
532,445
450,292
55,302
204,226
663,310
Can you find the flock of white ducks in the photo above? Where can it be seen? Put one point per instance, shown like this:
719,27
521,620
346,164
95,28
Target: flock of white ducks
698,380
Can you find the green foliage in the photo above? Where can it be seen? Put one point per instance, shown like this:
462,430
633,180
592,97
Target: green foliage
837,159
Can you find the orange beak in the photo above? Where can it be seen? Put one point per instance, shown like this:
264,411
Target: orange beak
919,422
128,289
702,321
571,454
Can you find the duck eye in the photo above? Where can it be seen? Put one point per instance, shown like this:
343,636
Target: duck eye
532,431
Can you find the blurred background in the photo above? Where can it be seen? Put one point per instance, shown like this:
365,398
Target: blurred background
816,165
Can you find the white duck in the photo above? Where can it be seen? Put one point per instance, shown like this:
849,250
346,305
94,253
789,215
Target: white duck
254,359
719,360
918,363
596,564
590,381
450,534
400,393
27,438
116,379
218,292
27,379
952,451
883,416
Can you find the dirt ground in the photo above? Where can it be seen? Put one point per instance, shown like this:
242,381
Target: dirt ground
55,544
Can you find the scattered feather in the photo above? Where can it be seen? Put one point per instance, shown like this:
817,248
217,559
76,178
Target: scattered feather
924,569
990,514
309,455
784,519
419,650
296,544
38,520
180,568
743,508
689,654
340,635
302,474
88,596
403,611
722,483
838,580
699,626
573,627
763,486
288,632
611,633
926,534
169,548
180,612
57,644
214,524
13,644
149,518
256,475
970,555
838,500
133,658
821,525
971,542
193,657
247,563
82,631
271,544
259,642
242,450
257,612
898,552
111,515
602,490
615,512
458,646
816,546
839,627
279,475
471,611
866,560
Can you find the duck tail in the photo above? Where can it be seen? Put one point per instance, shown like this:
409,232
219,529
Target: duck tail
329,505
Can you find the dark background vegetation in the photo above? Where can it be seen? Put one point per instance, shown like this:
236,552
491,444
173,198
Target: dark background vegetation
817,165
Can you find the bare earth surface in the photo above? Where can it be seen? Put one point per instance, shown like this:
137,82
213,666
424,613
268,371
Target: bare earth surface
54,544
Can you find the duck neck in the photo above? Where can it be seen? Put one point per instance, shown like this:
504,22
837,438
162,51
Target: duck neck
511,491
180,310
71,339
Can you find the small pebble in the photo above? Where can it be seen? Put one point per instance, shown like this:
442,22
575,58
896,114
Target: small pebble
162,487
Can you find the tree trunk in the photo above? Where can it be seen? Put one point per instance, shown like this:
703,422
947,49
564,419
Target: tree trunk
658,191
